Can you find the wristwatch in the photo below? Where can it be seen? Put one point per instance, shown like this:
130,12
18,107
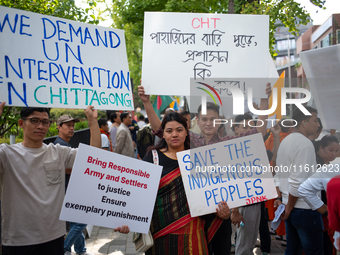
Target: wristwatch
325,214
279,198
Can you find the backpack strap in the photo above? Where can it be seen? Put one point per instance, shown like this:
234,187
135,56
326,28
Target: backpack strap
155,157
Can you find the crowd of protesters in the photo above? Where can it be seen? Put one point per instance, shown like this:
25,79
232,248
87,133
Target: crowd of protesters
34,177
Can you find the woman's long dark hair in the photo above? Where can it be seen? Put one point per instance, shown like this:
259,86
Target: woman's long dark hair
325,141
173,116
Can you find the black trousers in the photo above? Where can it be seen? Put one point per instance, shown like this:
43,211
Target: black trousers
264,230
54,247
221,242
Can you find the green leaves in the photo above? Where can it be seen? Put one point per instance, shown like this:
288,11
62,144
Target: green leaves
9,120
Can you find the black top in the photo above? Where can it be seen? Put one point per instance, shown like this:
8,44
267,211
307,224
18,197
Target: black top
61,142
167,163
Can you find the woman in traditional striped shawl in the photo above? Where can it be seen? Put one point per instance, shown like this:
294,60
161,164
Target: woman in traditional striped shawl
173,229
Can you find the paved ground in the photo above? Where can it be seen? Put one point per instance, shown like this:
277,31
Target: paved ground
106,241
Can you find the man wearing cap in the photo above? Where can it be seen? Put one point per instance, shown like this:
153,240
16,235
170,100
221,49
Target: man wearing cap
66,130
75,236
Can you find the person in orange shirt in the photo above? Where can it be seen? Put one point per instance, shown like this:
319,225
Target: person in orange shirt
286,129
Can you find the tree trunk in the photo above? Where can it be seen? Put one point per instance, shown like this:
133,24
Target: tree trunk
231,5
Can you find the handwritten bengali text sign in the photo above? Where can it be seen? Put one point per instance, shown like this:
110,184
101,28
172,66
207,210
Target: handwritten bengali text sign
235,171
52,62
180,46
110,190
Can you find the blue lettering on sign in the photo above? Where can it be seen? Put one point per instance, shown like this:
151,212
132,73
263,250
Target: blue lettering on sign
259,166
215,195
57,50
22,25
245,190
247,147
87,77
258,187
6,20
79,31
211,157
99,37
88,36
54,73
65,75
201,159
207,196
68,48
46,28
115,76
112,40
238,192
230,154
226,194
60,31
8,62
11,87
29,60
240,149
231,192
41,71
186,159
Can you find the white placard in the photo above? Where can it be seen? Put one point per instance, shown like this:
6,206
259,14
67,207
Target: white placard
322,68
53,62
223,171
110,190
180,46
220,87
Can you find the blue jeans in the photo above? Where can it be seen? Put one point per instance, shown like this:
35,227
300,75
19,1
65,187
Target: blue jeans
75,237
304,230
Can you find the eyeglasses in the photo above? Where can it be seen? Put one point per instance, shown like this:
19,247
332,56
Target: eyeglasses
37,121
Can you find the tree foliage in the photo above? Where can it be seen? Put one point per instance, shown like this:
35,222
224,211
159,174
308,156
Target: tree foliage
129,15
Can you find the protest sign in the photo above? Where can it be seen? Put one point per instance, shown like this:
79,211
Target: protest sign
322,68
180,46
230,100
110,190
52,62
235,171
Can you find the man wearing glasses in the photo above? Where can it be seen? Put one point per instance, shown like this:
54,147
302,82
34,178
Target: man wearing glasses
32,175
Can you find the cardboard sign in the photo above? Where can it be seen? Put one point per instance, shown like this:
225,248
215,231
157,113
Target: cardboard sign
322,68
180,46
235,171
110,190
215,89
52,62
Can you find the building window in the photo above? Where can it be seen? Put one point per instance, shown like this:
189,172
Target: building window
283,44
325,42
338,36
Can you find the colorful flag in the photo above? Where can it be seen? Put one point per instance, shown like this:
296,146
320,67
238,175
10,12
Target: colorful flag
161,103
175,104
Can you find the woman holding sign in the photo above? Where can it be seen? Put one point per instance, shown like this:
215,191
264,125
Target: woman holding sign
173,229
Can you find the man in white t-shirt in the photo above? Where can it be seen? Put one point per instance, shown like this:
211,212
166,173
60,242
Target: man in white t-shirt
296,161
141,123
32,175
